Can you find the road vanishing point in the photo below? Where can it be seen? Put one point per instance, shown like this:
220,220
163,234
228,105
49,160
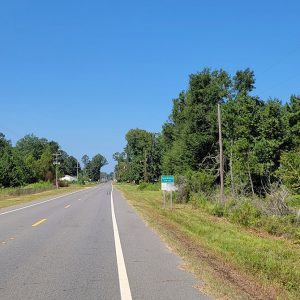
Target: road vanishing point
88,244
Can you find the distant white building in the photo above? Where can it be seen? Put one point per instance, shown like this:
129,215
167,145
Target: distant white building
68,178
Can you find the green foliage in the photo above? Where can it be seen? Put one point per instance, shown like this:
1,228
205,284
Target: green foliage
255,134
217,210
279,225
289,170
68,164
97,162
82,178
293,117
199,200
245,213
294,201
200,181
192,183
191,132
31,160
261,147
26,190
140,160
92,168
144,186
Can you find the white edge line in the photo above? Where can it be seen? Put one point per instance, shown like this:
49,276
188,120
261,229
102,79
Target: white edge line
123,278
28,206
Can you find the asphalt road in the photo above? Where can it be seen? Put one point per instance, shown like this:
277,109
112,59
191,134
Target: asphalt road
87,245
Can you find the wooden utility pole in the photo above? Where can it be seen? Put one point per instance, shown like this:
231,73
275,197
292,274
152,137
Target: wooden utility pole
146,177
221,156
77,167
231,171
56,163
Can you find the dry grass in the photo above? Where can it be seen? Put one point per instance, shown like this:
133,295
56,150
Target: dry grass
7,201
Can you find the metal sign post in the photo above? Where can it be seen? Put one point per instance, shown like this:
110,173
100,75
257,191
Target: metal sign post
167,185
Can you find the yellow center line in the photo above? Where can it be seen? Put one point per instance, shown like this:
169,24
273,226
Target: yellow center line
39,222
67,206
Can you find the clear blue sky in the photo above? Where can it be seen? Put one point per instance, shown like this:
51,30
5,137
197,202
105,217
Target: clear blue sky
83,73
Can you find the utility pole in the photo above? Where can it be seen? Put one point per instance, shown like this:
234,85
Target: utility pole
56,163
221,156
145,167
77,169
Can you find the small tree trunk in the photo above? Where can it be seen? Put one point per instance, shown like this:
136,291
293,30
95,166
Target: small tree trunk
221,156
250,179
145,167
231,173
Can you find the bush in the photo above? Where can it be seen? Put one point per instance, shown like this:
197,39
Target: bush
144,186
280,225
183,192
26,190
63,183
294,201
194,182
245,214
289,170
199,200
200,181
217,210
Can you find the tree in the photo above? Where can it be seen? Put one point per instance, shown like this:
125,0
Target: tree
68,164
191,133
97,162
31,145
289,170
293,117
85,160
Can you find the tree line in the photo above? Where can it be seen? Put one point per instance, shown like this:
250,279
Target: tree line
32,160
261,138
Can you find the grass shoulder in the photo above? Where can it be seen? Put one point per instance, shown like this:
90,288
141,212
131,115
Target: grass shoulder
233,261
15,196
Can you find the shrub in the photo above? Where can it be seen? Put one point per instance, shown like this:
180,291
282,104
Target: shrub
63,183
294,201
199,200
200,181
144,186
217,210
280,225
183,192
289,170
245,214
194,182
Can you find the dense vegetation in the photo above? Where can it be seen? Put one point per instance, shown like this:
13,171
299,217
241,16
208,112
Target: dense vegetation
261,150
31,160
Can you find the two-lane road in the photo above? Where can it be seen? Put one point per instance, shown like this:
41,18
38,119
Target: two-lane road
86,245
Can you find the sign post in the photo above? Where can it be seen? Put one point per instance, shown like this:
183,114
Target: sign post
167,185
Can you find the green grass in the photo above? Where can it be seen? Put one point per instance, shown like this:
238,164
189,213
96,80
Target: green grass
15,196
271,261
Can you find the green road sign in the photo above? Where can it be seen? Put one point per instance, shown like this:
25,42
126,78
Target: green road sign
167,179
